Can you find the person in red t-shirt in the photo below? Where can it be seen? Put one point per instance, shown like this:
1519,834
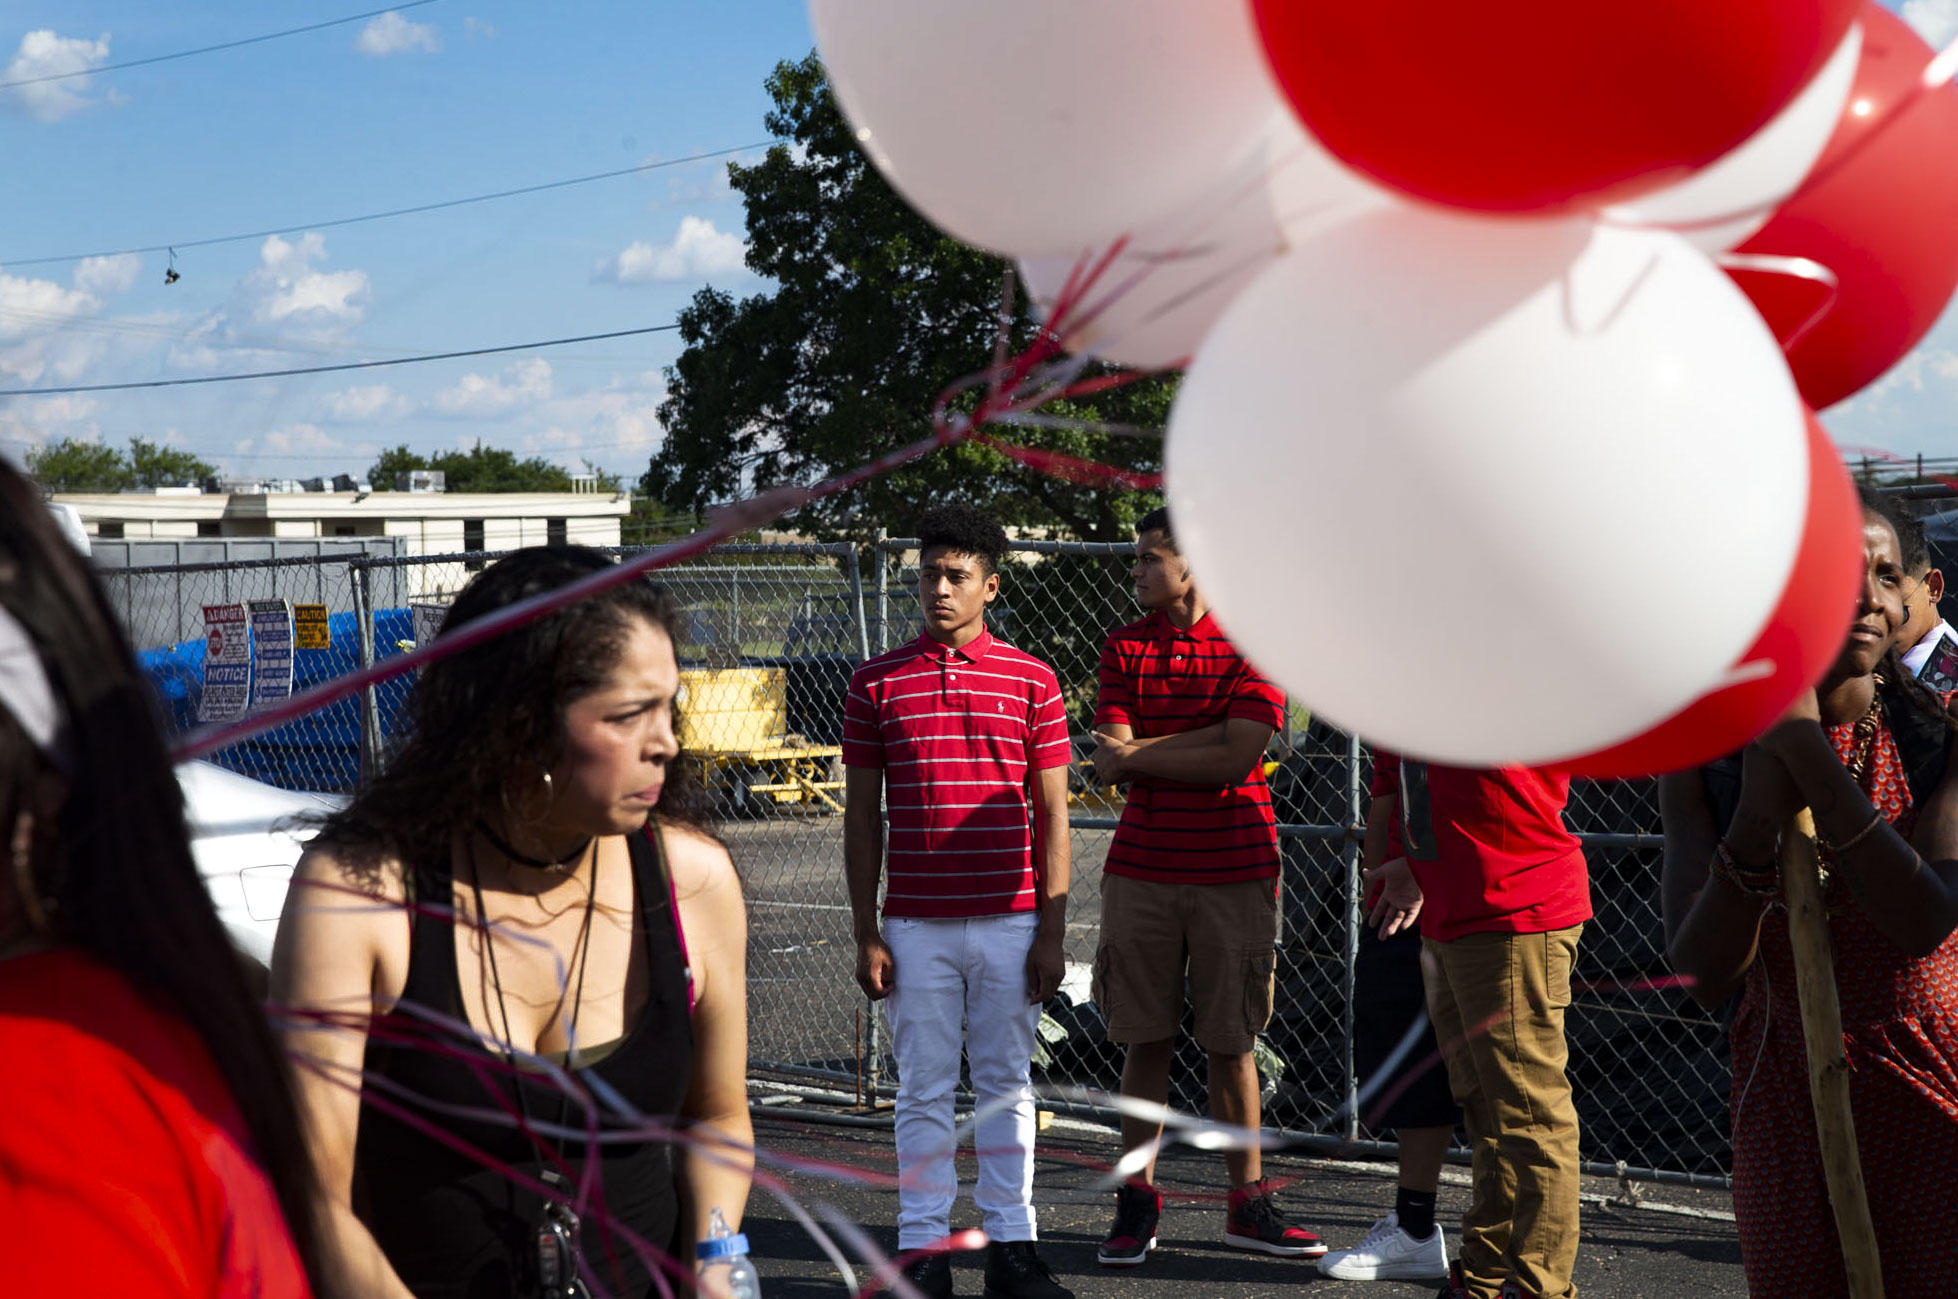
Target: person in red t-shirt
1499,887
964,739
151,1145
1190,884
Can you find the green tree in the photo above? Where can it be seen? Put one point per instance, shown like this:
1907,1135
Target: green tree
479,469
152,464
72,465
392,463
872,315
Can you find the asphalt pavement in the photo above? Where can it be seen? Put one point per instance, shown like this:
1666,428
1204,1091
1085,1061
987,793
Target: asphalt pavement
1679,1241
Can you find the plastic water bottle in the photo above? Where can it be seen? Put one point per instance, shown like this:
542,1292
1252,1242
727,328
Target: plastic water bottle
726,1252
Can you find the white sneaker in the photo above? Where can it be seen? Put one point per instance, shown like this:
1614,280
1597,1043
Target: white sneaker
1389,1254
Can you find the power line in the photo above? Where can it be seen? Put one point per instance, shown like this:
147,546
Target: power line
210,49
331,369
181,244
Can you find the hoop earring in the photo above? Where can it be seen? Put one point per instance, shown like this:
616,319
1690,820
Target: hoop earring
550,794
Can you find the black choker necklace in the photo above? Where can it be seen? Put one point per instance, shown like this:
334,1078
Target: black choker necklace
575,855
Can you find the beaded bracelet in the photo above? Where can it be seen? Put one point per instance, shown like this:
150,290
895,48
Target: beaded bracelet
1869,828
1762,883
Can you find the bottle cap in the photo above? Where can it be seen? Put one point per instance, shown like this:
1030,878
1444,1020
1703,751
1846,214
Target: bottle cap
722,1247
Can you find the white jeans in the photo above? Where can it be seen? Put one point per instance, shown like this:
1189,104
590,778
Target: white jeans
969,974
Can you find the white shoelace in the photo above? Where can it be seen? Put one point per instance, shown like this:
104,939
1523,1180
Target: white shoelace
1382,1231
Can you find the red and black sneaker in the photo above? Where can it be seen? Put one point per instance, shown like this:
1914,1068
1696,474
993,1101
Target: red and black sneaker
1456,1287
1256,1223
1138,1208
1511,1290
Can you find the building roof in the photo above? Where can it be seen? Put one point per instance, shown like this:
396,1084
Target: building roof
94,506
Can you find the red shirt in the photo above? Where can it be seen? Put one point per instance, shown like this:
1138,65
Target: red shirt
958,733
1489,848
124,1165
1158,679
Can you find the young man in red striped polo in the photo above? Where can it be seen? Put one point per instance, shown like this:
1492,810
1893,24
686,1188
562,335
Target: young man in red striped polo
965,740
1190,888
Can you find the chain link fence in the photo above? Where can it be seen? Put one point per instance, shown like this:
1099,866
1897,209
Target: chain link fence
774,633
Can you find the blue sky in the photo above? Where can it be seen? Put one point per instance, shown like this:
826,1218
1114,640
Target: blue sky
433,102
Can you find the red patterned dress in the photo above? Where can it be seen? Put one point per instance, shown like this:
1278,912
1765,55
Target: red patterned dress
1900,1031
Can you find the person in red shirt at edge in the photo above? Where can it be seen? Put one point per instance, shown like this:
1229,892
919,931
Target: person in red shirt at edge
1190,884
152,1145
1499,887
959,733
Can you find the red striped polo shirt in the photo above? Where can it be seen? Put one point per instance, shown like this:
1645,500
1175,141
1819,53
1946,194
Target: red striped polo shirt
1158,679
958,733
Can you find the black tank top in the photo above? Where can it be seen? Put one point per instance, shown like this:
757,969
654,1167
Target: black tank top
452,1227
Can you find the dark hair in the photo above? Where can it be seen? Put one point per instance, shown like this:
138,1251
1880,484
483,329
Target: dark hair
1913,547
117,879
1892,509
964,530
481,719
1157,520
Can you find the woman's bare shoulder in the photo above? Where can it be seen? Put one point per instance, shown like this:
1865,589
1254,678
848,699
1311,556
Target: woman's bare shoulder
699,861
341,868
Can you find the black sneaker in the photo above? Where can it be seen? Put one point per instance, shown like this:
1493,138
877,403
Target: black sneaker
1456,1287
931,1275
1014,1271
1255,1222
1137,1211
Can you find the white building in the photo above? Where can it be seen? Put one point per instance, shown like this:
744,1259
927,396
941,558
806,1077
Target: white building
428,523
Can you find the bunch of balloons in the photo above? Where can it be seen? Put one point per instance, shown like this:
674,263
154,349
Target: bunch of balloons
1503,325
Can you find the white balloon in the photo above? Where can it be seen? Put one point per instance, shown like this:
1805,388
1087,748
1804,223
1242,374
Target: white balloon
1490,492
1756,176
1153,303
1046,126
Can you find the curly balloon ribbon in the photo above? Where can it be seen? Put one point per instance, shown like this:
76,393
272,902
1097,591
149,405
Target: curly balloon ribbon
1800,268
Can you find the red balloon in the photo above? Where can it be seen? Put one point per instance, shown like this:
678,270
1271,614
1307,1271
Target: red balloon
1803,637
1535,106
1880,209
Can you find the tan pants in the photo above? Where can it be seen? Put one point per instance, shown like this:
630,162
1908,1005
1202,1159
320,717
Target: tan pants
1498,1004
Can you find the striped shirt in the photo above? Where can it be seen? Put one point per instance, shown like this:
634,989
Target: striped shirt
958,733
1158,679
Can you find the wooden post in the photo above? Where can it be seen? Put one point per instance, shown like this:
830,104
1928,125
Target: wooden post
1828,1068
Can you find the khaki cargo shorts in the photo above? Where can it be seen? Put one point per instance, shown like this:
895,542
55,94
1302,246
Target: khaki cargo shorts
1222,937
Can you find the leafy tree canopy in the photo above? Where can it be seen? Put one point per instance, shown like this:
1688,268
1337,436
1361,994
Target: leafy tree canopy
72,465
873,314
479,469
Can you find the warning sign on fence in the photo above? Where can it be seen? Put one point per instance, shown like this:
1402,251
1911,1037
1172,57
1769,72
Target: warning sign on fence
271,653
309,626
227,663
426,619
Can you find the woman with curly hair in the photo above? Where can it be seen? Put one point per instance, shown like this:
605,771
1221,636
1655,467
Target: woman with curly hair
1868,752
527,883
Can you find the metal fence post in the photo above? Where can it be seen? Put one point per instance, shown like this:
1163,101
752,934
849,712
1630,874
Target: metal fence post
370,709
1350,854
852,557
883,593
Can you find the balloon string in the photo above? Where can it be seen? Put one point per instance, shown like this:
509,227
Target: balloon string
1800,268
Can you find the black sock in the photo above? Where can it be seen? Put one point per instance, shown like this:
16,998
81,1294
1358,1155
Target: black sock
1416,1211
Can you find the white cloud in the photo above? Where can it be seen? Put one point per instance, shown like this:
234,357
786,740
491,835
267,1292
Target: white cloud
696,251
475,28
34,422
303,437
99,276
44,54
287,291
1935,20
48,331
366,403
393,34
524,384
